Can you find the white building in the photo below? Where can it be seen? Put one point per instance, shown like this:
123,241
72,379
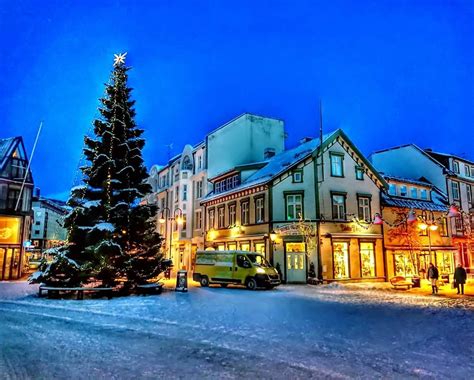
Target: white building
179,185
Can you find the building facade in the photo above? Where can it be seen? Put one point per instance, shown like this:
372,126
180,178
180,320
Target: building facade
16,186
179,186
451,174
416,229
47,229
308,209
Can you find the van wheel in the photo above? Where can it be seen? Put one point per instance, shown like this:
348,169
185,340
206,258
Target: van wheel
224,285
204,281
251,284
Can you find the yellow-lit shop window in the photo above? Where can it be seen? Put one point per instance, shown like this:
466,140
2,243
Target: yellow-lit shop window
295,247
9,230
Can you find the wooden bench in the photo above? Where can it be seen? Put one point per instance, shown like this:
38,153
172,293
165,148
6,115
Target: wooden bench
401,282
155,288
54,291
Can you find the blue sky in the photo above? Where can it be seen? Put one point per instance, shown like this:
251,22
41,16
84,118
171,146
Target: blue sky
388,72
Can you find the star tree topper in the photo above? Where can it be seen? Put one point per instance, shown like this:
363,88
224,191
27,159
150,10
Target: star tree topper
119,58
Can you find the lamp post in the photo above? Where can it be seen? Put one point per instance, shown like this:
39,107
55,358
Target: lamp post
428,223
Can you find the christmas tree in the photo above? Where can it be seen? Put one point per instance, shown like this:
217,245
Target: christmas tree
111,234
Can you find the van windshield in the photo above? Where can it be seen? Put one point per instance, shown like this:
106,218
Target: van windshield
259,260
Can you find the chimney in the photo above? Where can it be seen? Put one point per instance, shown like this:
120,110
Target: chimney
305,139
268,153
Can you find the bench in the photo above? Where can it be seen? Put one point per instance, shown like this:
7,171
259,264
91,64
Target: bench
401,282
54,291
155,288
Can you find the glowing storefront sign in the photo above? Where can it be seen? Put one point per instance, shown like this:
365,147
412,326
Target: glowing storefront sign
9,230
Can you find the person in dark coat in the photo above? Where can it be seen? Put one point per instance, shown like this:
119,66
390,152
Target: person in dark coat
460,276
433,275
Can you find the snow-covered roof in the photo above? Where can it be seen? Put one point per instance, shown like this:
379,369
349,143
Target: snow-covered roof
275,166
437,202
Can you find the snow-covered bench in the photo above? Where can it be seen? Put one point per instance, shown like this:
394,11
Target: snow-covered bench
401,282
155,288
54,291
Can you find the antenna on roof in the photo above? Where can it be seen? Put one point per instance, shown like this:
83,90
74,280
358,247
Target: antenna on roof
321,138
28,166
170,147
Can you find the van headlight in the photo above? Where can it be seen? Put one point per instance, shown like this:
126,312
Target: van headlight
260,270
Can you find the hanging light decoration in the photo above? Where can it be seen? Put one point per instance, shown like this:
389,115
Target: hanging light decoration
378,220
412,216
453,211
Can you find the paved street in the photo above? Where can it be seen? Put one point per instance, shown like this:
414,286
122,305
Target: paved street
292,332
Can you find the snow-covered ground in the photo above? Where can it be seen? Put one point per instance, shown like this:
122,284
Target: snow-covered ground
330,331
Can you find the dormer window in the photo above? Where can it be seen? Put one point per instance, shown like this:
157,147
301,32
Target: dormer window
414,192
403,191
423,194
297,176
467,170
392,189
226,184
456,166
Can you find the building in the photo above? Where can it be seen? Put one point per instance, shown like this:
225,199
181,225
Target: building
179,185
307,207
47,230
453,175
416,229
16,187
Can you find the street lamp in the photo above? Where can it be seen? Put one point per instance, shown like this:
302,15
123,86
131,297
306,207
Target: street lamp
177,217
428,223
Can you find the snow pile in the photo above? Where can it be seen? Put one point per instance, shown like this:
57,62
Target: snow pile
104,226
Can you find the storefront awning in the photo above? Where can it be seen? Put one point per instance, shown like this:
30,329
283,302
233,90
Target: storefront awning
354,236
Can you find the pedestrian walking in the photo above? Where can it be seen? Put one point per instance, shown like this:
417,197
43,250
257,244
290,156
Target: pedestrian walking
433,275
460,276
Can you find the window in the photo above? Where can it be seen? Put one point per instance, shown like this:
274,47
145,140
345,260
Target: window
212,218
367,259
184,175
297,176
37,223
221,217
199,162
198,220
469,194
176,174
231,246
338,206
414,192
423,194
37,232
244,209
359,173
392,189
458,224
341,259
232,214
456,166
245,247
199,189
364,208
176,192
185,192
455,190
259,248
336,164
443,231
403,190
294,206
259,210
404,265
235,180
472,171
467,170
444,262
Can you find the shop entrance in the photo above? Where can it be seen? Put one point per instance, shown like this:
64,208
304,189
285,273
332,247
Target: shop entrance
9,263
295,262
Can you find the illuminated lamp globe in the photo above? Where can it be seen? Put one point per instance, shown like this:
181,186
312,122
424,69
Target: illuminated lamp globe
162,220
179,220
433,227
423,226
273,235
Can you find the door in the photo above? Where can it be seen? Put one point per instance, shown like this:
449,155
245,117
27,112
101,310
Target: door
3,252
295,262
7,265
241,268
